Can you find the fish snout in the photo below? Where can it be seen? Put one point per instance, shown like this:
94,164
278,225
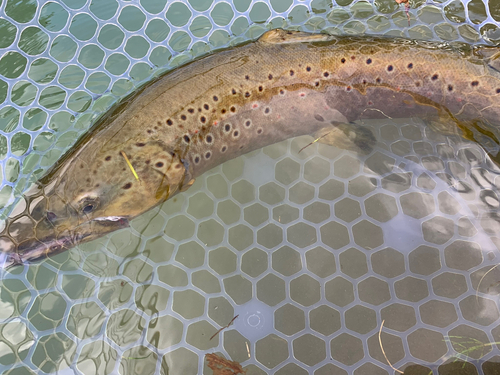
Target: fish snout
36,241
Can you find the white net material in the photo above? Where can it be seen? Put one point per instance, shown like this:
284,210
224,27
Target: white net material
312,251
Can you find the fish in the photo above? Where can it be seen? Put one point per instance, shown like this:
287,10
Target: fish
155,143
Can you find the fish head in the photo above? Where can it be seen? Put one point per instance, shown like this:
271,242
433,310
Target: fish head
89,195
45,223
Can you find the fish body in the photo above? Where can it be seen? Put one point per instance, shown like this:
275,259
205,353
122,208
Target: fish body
155,143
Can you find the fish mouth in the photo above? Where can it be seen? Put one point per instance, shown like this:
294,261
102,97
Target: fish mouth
35,249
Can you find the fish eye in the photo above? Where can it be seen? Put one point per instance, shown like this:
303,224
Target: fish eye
88,205
88,208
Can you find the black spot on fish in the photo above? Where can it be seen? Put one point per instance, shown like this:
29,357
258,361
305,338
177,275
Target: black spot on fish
140,144
261,88
233,109
107,158
233,91
450,88
498,91
236,133
227,127
183,117
169,122
292,72
348,88
259,131
128,185
267,110
417,84
149,131
203,119
248,123
88,180
282,92
247,94
223,110
368,61
316,84
434,77
353,57
206,106
209,138
326,74
196,159
97,185
342,60
390,68
365,82
410,66
247,78
208,154
270,76
191,110
319,118
378,80
474,83
186,139
159,164
223,149
215,98
308,68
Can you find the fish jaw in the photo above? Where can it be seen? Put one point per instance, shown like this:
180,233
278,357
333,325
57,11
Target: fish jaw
53,242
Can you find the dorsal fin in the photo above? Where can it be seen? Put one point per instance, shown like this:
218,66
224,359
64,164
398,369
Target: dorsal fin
490,54
280,36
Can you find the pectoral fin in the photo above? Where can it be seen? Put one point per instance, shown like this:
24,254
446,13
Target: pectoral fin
350,136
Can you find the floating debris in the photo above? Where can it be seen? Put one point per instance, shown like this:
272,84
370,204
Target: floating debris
130,165
221,366
407,8
382,348
231,322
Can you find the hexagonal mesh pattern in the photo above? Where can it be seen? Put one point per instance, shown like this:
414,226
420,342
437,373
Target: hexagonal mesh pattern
312,252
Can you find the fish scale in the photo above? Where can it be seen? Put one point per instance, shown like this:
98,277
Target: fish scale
287,84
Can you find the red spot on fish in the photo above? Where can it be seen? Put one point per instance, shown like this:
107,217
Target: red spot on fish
398,88
255,105
278,117
302,94
196,131
216,123
370,103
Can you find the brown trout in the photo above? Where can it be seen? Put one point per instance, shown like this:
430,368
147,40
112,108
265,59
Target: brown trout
286,84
